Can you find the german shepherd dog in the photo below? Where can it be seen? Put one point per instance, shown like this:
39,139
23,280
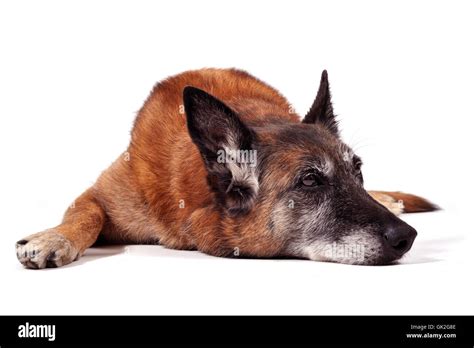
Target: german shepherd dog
219,162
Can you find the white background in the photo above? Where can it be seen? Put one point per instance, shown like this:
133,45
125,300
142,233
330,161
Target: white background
73,74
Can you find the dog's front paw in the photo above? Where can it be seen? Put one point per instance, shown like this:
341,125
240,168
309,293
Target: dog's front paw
46,249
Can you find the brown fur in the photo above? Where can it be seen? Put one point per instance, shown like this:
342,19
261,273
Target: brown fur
142,191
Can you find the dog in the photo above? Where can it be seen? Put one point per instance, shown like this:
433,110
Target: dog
219,162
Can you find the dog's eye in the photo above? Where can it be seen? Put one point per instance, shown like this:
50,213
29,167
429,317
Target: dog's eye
358,171
310,180
357,165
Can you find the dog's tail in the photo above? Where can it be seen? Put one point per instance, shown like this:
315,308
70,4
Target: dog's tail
399,202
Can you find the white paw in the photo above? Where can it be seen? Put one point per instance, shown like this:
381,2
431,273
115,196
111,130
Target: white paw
46,249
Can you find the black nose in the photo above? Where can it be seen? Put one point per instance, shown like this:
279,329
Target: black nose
398,239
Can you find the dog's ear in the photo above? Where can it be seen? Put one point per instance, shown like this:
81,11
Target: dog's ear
321,111
226,146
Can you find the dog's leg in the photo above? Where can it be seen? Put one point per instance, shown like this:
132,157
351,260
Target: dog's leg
65,243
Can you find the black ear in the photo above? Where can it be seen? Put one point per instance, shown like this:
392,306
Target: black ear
226,146
321,111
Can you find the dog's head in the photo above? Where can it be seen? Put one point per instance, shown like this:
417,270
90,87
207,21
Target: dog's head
308,180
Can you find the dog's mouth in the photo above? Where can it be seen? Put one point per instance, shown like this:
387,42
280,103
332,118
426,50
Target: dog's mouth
364,248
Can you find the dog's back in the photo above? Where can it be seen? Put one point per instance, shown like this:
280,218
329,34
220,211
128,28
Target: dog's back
161,180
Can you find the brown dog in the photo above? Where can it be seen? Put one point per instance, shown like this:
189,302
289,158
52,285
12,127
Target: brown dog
233,172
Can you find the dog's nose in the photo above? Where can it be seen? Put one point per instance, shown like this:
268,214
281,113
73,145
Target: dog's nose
399,239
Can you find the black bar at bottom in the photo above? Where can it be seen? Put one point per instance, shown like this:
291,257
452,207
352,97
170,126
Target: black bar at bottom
243,330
